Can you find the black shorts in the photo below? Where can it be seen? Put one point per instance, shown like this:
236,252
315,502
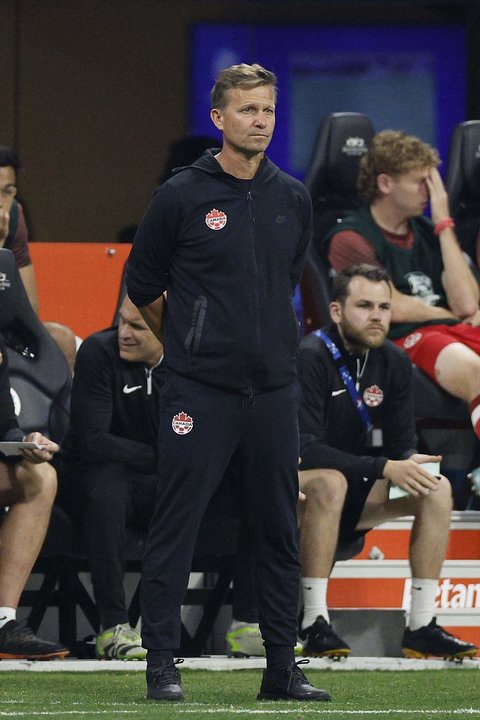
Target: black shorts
357,493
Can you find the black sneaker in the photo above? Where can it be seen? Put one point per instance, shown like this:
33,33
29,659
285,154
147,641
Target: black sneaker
289,684
17,642
164,682
321,641
434,640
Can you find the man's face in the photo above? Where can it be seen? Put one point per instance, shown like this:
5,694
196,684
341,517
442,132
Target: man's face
248,119
409,192
8,188
364,318
136,342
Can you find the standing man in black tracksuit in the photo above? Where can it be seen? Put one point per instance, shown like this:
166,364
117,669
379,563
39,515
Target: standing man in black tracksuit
356,384
108,476
226,239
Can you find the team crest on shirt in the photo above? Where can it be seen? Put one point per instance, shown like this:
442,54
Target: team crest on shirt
412,340
182,423
216,219
373,396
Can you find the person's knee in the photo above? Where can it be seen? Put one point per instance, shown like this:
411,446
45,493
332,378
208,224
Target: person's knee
66,341
443,495
439,500
36,481
325,489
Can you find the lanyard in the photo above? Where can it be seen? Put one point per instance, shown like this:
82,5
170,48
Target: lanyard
347,380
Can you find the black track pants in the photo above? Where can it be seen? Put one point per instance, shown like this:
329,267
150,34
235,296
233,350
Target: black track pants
263,434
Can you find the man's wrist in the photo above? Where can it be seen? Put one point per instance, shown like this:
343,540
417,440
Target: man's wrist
441,225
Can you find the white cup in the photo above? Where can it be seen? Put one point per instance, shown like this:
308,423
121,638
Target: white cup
432,467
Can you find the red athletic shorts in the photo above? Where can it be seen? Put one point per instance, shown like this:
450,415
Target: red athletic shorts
424,344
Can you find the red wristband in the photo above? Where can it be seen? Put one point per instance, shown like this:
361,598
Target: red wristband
447,222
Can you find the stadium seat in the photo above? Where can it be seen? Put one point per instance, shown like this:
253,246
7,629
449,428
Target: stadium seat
331,178
463,185
39,374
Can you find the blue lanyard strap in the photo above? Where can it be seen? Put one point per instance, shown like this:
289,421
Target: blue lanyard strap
347,380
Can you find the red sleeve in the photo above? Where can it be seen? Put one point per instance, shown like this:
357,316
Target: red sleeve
19,246
348,247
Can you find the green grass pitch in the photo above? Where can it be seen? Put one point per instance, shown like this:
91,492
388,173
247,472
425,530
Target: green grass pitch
356,695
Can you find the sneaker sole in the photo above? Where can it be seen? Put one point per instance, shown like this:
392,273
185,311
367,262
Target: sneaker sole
420,655
31,656
331,654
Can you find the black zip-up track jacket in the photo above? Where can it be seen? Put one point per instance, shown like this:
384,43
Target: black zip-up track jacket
114,407
229,252
332,434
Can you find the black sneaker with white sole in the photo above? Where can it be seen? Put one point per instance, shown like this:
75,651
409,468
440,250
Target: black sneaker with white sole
434,640
289,684
320,640
164,682
18,642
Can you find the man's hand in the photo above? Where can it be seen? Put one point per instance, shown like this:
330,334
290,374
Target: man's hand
473,320
438,196
48,448
409,475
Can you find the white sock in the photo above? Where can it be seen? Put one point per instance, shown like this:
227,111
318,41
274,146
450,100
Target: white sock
7,614
314,600
423,602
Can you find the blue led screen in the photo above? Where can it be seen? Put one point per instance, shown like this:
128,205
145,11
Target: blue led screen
410,78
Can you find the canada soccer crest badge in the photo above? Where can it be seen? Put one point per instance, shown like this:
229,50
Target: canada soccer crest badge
216,219
373,396
182,423
412,340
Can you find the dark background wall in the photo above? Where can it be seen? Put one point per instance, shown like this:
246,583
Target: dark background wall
94,91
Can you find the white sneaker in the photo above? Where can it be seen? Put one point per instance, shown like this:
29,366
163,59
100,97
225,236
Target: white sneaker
245,639
120,642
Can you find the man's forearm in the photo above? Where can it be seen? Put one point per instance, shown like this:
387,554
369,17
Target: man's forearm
406,308
458,280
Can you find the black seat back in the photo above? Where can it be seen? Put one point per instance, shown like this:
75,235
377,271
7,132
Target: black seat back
331,179
463,184
39,373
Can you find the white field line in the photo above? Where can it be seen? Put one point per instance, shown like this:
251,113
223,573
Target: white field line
198,710
324,711
56,713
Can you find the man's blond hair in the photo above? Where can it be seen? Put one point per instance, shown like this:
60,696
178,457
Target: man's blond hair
240,76
392,152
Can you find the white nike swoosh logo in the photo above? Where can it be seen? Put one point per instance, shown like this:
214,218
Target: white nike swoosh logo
127,390
338,392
